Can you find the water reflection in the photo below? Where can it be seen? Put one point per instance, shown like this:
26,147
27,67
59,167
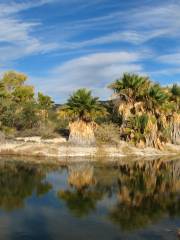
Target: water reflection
146,192
19,181
143,192
82,198
130,195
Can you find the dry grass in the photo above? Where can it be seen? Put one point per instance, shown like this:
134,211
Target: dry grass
107,133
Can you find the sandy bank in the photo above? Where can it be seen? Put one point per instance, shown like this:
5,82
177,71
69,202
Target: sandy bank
59,148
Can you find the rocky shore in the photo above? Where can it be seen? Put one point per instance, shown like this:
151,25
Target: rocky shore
60,148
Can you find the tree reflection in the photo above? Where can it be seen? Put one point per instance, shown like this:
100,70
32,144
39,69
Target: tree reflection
81,199
80,203
141,192
147,192
17,182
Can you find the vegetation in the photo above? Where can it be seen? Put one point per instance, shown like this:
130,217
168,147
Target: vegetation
140,112
21,110
82,109
150,113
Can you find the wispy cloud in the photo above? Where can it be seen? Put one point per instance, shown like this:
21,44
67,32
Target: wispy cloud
93,71
173,58
136,25
14,7
16,38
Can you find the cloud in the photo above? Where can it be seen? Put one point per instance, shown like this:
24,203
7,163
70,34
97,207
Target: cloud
15,7
94,71
135,25
16,38
173,58
115,37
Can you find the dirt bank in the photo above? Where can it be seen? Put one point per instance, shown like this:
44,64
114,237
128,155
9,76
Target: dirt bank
59,148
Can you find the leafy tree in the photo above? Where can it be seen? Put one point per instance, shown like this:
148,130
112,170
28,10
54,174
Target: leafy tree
12,79
19,108
45,102
23,94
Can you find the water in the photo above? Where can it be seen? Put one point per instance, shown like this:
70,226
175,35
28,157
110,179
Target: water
90,201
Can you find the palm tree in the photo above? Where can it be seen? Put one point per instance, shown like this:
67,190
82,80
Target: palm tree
175,116
82,109
129,93
175,95
156,97
143,106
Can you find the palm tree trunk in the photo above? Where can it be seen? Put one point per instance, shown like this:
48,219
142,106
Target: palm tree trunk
81,133
81,175
175,129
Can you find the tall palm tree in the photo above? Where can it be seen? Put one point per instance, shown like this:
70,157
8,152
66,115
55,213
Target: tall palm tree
82,109
156,97
129,93
175,95
175,116
143,107
131,87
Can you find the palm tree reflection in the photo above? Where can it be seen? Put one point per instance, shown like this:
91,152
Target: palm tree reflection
147,192
143,192
82,198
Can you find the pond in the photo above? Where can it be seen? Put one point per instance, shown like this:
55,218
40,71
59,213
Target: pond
138,200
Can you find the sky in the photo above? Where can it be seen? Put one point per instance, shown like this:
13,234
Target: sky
63,45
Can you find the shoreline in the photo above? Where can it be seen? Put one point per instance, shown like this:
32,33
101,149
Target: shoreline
60,149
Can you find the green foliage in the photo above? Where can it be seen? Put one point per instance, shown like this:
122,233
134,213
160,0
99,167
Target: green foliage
45,102
19,108
140,122
23,94
139,105
82,105
175,96
175,90
11,80
157,94
28,117
139,101
130,86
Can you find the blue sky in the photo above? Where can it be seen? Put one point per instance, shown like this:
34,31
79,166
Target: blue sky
63,45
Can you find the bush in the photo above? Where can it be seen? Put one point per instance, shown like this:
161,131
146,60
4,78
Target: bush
45,131
107,133
9,132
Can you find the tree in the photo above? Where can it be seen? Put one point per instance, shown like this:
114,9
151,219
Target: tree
19,108
82,109
145,108
12,79
23,94
175,95
45,102
175,116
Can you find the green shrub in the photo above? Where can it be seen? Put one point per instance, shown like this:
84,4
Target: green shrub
9,132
